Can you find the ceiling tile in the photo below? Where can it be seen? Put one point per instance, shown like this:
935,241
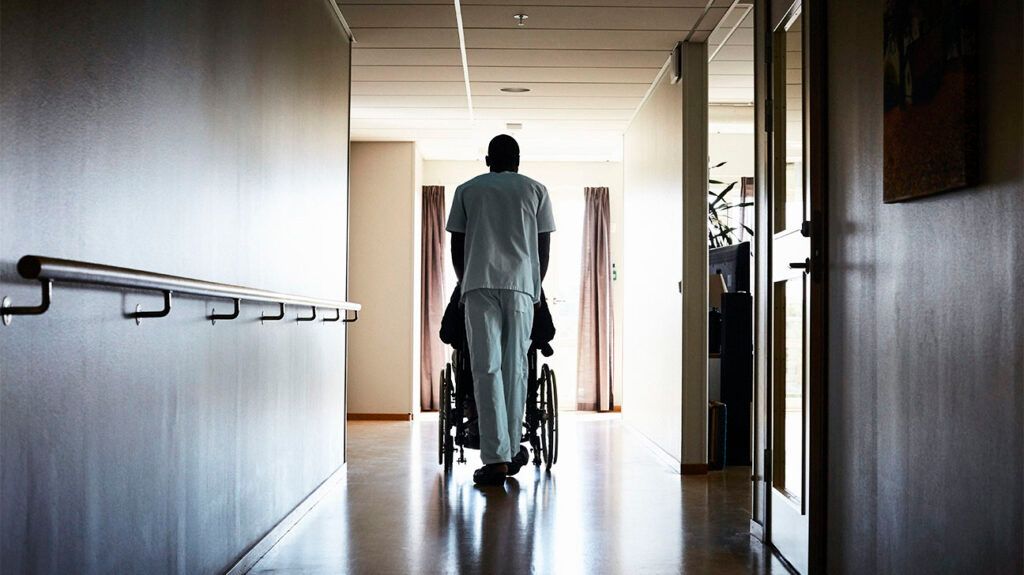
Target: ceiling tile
569,58
345,5
537,90
506,74
582,18
744,67
509,101
406,38
401,57
400,16
506,114
572,39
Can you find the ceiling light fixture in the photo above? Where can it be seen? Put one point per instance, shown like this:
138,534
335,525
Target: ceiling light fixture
465,61
515,90
521,19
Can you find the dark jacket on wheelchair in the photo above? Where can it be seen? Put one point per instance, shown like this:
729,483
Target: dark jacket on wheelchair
453,325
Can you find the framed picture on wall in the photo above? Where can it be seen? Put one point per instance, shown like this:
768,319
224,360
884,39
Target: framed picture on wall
930,122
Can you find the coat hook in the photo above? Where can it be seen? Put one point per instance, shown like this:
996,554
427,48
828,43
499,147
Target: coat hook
310,318
354,318
9,311
337,316
277,317
139,314
213,317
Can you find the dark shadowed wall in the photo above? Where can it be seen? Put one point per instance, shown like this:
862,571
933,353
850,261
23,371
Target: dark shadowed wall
927,326
204,139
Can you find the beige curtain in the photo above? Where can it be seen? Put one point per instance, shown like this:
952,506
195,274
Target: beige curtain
596,346
432,296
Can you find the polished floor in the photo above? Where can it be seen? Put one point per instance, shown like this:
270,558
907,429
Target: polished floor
610,505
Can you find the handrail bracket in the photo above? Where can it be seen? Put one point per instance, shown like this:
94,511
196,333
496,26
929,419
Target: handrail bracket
213,317
140,314
277,317
309,318
10,311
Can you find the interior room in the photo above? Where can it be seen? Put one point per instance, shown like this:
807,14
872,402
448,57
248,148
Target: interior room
466,286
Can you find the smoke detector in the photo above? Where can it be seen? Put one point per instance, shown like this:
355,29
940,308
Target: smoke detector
521,19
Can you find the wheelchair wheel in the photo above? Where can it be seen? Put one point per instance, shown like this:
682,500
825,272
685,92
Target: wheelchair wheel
554,416
547,398
440,421
446,413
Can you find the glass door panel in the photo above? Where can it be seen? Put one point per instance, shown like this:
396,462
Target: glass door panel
790,306
790,387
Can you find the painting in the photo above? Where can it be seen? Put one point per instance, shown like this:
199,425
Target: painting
930,138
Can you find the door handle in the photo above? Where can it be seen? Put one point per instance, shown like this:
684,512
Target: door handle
804,265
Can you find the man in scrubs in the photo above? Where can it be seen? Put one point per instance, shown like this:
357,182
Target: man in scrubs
501,224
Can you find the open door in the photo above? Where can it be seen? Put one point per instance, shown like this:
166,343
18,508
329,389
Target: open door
795,283
789,405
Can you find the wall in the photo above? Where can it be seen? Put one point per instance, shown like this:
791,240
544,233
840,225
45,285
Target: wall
731,140
385,268
558,174
926,334
199,139
652,344
666,332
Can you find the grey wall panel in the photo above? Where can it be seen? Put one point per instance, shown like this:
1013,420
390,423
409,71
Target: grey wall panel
927,327
205,139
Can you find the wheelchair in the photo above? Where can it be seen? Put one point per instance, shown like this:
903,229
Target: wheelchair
457,419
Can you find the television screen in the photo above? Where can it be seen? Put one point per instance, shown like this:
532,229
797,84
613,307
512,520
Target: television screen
733,262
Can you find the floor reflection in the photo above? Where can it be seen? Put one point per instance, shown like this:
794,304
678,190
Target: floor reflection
608,506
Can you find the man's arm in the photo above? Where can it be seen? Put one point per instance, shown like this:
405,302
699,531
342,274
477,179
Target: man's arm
459,254
544,247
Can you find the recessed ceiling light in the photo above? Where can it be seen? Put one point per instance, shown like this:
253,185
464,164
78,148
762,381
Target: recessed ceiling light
513,126
515,90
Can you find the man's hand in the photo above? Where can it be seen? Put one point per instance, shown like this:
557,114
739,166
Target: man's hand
459,254
544,247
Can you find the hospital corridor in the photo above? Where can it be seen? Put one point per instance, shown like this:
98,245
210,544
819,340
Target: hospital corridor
388,287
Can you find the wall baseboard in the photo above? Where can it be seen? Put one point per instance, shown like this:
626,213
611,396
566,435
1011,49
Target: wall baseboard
662,455
757,530
693,468
380,417
264,545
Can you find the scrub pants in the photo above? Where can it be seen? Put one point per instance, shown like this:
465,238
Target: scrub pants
498,326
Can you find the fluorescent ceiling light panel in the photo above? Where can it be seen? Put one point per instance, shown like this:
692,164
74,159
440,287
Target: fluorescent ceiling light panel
465,61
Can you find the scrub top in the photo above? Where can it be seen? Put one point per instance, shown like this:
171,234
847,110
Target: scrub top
501,215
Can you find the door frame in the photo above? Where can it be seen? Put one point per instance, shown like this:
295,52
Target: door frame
768,15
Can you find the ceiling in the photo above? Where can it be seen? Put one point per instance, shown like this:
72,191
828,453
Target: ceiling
587,64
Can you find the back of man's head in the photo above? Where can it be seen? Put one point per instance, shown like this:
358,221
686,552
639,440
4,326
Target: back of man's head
503,154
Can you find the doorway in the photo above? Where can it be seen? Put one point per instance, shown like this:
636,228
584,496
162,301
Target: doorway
562,288
565,182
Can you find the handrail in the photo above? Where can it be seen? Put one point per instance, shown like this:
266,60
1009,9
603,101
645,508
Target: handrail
49,270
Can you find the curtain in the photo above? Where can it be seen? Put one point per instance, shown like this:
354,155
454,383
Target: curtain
432,296
596,347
